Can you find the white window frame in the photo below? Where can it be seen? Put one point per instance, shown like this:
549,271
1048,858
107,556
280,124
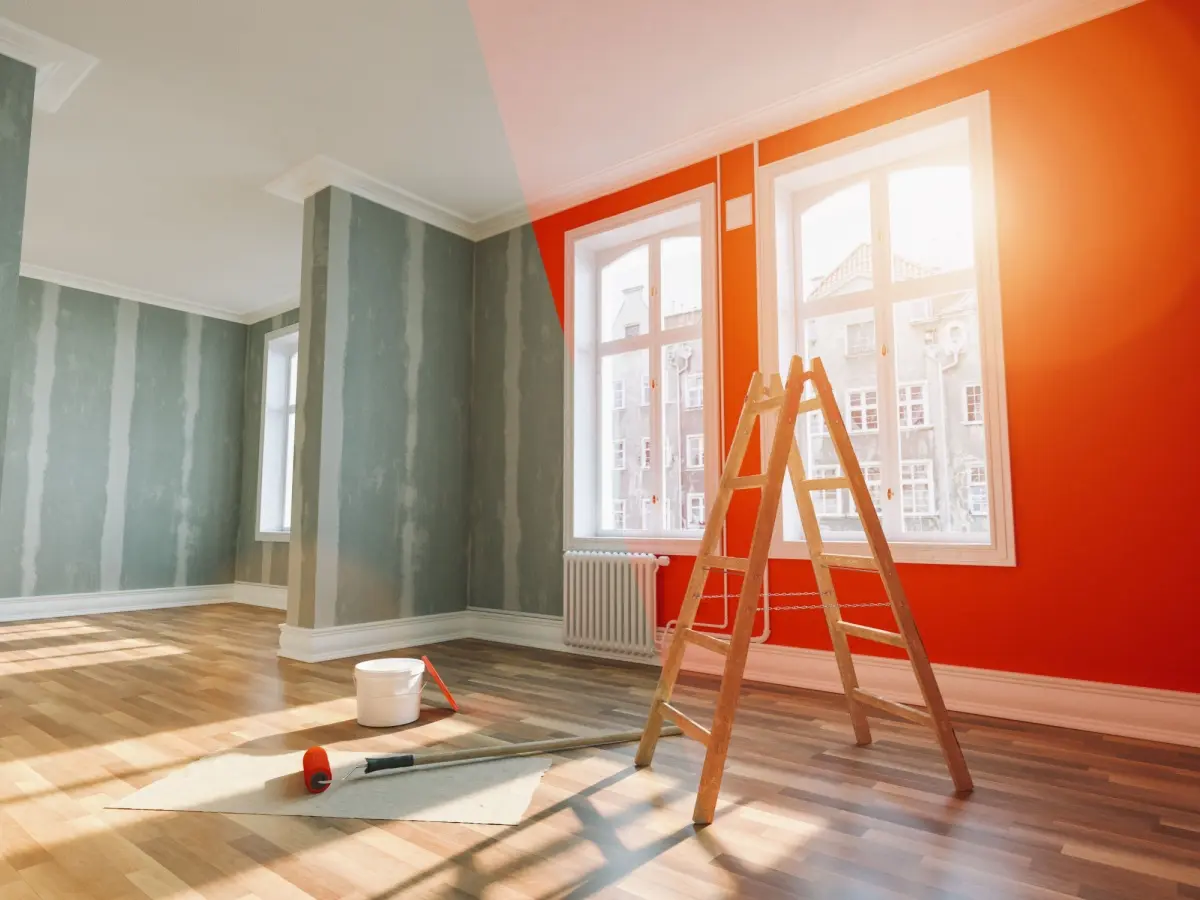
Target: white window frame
647,512
974,508
692,497
647,453
851,406
905,404
693,442
979,417
693,390
927,481
779,321
619,455
853,350
581,493
278,405
620,514
646,388
618,397
820,498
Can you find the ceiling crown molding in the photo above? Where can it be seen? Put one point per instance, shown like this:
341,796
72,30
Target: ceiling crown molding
1022,24
60,68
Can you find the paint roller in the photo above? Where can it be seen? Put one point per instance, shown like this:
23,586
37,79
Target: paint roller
318,775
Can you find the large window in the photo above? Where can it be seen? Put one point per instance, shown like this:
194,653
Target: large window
641,312
882,262
278,436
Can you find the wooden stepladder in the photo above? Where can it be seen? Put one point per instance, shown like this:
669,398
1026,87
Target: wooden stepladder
768,395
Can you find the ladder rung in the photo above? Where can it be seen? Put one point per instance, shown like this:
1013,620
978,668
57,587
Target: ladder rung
889,706
812,404
826,484
690,727
732,563
745,482
873,634
707,641
838,561
761,406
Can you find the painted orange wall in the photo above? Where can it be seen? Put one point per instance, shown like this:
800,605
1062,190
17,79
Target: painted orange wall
1096,138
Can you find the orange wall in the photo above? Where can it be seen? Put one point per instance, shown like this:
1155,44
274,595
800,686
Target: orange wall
1096,139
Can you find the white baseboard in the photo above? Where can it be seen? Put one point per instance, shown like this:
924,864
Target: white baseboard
532,630
57,606
268,596
340,641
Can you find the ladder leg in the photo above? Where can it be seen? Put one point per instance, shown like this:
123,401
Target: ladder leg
743,626
691,600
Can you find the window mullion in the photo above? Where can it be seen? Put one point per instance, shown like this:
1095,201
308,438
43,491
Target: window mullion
889,419
656,479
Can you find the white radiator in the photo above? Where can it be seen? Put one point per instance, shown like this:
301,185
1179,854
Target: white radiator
609,602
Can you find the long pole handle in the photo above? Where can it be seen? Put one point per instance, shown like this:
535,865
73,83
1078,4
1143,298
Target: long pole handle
413,760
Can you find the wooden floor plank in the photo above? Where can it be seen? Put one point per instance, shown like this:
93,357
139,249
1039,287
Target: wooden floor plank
93,708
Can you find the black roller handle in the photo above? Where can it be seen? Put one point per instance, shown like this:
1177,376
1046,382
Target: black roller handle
399,761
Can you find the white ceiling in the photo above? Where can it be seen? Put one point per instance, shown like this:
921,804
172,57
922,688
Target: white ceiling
151,179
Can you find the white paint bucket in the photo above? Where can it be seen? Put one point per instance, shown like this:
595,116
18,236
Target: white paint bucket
388,691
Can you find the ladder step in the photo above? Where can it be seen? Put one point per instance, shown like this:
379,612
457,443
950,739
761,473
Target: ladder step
707,641
826,484
690,727
812,404
761,406
873,634
745,482
732,563
839,561
889,706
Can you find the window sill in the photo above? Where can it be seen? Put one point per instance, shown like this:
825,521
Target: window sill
278,537
661,546
928,553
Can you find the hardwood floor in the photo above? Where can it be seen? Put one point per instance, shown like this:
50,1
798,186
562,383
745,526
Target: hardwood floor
93,708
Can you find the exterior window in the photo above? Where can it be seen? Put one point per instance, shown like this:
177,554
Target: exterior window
912,405
278,438
973,394
619,515
863,406
695,510
860,338
641,317
879,258
916,488
827,503
977,489
618,387
693,390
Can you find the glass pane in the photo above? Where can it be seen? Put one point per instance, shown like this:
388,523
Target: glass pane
943,477
835,243
683,437
293,366
625,295
288,466
682,294
624,432
931,217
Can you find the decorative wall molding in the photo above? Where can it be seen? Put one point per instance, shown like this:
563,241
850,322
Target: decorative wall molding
111,289
60,67
341,641
267,596
56,606
269,312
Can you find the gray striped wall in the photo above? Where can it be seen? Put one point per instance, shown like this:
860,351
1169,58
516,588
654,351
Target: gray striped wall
122,465
16,121
516,430
258,562
382,438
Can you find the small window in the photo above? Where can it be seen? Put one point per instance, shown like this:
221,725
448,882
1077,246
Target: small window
668,512
278,438
825,502
647,512
977,489
633,329
693,390
974,403
695,451
619,455
619,514
645,390
618,389
873,474
916,488
912,405
863,405
695,510
860,338
645,453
